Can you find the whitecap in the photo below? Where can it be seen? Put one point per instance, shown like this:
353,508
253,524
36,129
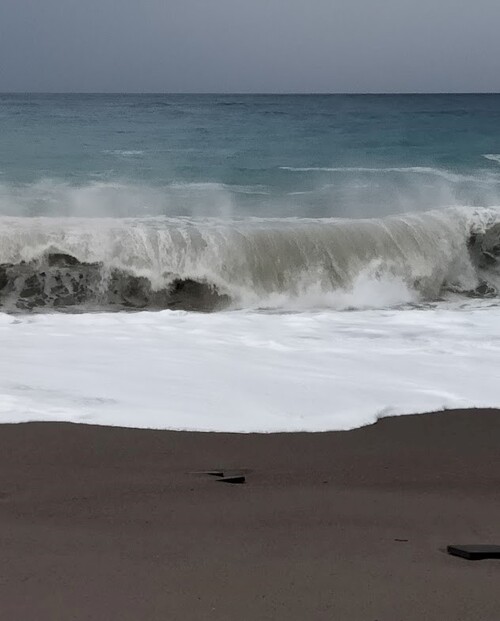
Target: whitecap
419,170
125,152
494,157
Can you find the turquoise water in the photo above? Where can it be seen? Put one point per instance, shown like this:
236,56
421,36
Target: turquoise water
270,202
211,155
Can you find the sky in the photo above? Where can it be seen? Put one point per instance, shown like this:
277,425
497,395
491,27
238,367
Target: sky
327,46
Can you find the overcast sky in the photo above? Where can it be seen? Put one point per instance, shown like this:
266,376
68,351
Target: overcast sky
250,45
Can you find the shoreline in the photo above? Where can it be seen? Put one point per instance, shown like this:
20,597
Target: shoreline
118,523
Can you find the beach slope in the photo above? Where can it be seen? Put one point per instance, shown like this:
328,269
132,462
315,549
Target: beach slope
113,523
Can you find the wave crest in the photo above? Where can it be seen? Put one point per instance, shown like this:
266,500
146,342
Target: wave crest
259,263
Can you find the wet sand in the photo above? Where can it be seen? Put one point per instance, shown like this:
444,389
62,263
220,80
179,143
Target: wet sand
108,523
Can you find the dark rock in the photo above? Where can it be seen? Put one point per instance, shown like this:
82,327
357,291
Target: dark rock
235,480
33,286
475,552
60,259
4,278
192,295
61,280
136,292
210,473
485,290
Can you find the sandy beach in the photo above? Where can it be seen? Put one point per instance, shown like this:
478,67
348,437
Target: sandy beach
112,523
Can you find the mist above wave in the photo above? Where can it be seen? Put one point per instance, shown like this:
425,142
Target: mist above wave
279,191
116,198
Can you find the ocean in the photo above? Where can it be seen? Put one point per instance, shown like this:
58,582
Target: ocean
248,263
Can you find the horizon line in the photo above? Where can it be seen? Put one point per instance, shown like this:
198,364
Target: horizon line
251,93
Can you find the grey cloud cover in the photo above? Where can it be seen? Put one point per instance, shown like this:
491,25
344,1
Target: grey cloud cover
249,46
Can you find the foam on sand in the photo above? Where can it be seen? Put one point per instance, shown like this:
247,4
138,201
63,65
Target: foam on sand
247,371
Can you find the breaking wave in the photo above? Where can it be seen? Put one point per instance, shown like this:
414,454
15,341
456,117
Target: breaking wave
209,264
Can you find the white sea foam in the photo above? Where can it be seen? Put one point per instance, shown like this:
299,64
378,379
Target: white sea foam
126,152
419,170
246,371
494,157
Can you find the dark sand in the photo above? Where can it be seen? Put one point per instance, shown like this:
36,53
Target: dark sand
110,524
